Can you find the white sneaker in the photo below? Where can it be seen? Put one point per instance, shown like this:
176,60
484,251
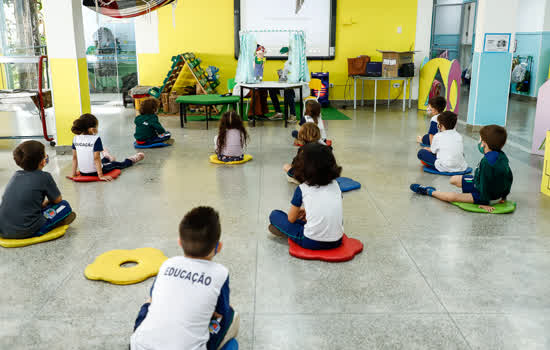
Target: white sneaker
137,157
232,331
276,116
292,119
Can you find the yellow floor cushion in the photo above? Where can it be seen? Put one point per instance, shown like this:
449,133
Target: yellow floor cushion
53,234
214,159
108,266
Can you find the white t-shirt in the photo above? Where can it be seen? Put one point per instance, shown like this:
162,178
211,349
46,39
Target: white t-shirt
324,212
85,146
185,296
449,148
320,124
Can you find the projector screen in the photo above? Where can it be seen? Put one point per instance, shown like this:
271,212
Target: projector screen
317,18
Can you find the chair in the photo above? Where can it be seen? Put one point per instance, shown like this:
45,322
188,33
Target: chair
230,85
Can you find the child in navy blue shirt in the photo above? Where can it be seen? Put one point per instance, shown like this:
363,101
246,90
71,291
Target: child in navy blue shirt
436,106
493,177
189,306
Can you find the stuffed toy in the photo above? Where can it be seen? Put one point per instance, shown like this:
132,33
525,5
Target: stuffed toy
259,61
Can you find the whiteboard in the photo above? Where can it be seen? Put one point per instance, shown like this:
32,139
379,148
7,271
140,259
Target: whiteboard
315,17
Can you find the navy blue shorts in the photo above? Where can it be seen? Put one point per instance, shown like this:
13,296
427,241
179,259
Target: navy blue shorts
468,187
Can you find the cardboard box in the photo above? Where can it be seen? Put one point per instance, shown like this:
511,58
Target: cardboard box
392,60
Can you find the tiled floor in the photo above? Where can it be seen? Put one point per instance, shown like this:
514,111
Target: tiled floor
431,276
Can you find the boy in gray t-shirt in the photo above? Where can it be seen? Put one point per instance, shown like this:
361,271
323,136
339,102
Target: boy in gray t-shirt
32,204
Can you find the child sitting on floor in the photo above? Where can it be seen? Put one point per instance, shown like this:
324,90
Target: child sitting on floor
313,115
189,306
446,153
314,220
231,139
148,128
309,133
32,204
493,177
436,106
89,156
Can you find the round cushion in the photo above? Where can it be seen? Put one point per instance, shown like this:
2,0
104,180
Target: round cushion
83,178
349,248
214,159
48,236
107,266
500,208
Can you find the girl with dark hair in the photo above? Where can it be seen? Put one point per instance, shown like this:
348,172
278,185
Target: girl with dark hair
315,218
89,156
231,139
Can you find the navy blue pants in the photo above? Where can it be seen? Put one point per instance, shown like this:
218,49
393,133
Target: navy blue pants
295,231
54,213
426,140
427,157
289,100
155,140
109,166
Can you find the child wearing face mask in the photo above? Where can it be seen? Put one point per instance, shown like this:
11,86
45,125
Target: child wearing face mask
446,154
436,106
492,179
89,156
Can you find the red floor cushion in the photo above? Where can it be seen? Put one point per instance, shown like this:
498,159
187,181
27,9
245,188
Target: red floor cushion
349,248
81,178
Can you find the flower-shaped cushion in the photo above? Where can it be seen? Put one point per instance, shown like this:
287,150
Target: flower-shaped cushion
349,248
107,266
214,159
53,234
82,178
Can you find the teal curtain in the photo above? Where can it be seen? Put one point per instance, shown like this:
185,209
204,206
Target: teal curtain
299,71
245,66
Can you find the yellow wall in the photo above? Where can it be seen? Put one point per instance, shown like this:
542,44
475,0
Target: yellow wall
70,93
206,28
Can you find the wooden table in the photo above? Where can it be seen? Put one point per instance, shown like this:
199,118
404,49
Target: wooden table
204,100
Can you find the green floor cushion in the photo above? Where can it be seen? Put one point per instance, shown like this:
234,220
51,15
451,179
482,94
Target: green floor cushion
500,208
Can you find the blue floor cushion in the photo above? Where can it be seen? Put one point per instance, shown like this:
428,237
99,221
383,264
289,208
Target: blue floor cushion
346,184
434,171
152,145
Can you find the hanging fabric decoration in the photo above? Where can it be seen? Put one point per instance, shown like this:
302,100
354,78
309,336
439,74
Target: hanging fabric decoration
299,71
124,8
245,65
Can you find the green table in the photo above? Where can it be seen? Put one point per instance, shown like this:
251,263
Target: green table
204,100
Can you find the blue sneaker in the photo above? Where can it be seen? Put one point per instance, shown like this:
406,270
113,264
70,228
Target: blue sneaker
423,190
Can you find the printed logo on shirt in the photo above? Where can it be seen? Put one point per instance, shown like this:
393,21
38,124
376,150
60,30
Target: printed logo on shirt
49,213
83,144
145,123
193,277
214,327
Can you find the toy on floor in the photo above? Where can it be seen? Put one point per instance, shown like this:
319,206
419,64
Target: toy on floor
214,159
300,143
349,248
500,208
346,184
108,266
83,178
153,145
434,171
51,235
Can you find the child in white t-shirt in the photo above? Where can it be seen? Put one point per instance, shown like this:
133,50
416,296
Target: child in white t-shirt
436,106
89,156
446,153
189,305
313,115
315,218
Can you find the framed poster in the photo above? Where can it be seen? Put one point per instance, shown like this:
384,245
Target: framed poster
497,42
